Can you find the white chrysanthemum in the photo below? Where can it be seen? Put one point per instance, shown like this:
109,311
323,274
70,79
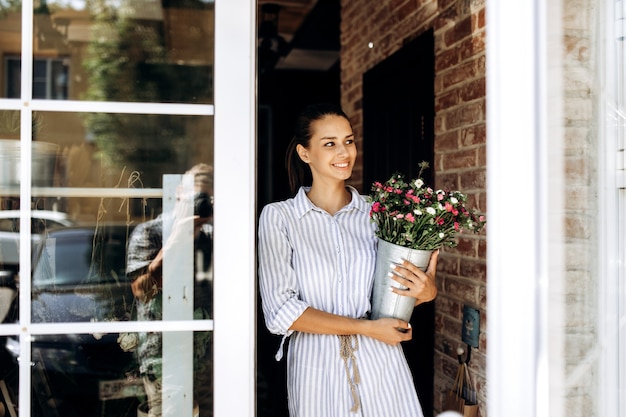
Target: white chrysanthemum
453,200
419,183
441,235
440,206
431,210
417,212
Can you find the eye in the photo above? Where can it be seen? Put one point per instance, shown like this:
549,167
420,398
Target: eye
329,144
349,141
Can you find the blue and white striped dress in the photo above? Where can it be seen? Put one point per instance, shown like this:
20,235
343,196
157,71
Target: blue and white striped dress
309,258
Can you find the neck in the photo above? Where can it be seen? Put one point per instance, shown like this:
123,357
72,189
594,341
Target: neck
330,198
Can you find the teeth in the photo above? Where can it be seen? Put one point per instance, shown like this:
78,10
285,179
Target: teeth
341,165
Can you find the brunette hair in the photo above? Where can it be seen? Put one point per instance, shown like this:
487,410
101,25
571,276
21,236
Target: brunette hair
298,171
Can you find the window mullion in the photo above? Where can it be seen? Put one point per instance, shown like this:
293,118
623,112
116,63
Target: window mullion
24,401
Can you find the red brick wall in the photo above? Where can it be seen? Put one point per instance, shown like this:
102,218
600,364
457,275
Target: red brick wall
460,142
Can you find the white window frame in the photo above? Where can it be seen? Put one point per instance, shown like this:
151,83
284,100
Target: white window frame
234,208
524,163
612,215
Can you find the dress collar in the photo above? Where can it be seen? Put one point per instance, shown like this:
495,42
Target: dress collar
303,205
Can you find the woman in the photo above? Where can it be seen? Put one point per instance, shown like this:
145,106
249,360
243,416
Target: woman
316,263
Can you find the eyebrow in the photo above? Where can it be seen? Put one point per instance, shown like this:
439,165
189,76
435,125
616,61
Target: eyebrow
335,137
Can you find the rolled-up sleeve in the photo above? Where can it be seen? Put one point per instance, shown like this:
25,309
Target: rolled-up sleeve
277,278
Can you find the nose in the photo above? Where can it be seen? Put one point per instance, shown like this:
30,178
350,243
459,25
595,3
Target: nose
342,149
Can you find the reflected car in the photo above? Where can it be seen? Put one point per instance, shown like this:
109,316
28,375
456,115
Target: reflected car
79,276
42,221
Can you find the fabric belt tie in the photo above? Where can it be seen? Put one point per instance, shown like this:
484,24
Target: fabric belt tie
347,349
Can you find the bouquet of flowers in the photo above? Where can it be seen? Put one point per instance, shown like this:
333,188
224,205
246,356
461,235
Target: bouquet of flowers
413,215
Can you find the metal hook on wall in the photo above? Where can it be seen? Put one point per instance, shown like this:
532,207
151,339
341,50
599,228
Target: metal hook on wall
460,351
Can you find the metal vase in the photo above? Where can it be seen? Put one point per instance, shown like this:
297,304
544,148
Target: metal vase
384,302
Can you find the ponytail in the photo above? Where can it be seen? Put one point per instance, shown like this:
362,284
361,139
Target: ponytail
298,172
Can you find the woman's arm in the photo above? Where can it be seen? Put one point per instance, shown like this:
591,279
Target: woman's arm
421,285
388,330
278,284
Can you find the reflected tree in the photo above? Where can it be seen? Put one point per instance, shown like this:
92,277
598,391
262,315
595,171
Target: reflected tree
130,59
9,6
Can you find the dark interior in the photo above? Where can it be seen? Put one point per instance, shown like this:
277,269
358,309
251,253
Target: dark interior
398,112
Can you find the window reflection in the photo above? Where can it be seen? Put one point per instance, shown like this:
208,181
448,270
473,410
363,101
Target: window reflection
50,78
183,237
101,375
42,221
79,275
118,150
118,172
97,179
102,50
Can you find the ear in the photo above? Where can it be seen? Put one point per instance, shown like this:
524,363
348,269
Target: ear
303,153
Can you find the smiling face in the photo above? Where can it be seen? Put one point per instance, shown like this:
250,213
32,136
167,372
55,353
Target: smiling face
331,152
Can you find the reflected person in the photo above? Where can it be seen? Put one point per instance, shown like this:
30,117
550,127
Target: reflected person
144,269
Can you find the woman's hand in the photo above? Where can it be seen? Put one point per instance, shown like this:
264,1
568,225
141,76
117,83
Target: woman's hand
421,285
389,330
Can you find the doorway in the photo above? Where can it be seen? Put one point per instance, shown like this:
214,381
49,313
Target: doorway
398,134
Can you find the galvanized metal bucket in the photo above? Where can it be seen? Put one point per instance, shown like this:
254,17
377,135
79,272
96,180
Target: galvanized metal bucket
384,302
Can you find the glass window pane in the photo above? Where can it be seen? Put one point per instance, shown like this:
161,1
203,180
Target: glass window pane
40,69
13,72
148,51
122,374
111,182
50,77
10,47
96,179
117,150
79,275
42,223
68,369
8,379
9,216
125,217
9,129
59,79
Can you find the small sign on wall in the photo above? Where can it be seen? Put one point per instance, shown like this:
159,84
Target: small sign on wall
471,326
